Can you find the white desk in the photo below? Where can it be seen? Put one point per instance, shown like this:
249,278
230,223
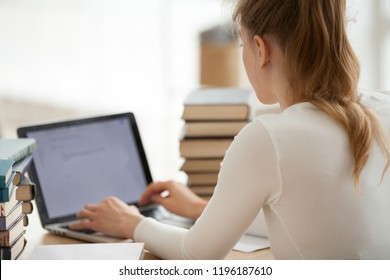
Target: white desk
36,235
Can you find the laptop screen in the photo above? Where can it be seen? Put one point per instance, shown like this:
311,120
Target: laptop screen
79,162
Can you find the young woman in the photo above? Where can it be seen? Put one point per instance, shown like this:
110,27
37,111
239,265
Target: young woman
319,169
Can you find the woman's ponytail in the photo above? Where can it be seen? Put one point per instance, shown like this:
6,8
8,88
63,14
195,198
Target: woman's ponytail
320,64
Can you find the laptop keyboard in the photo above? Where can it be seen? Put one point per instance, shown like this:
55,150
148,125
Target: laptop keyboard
157,213
87,231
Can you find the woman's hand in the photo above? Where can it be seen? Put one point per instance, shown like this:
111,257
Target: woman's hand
175,197
112,217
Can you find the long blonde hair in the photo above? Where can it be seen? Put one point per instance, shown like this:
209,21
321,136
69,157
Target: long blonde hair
320,64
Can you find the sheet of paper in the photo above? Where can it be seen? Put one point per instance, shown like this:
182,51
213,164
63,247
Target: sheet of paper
250,243
89,251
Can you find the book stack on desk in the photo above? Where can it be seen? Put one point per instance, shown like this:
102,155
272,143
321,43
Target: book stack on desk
212,117
16,195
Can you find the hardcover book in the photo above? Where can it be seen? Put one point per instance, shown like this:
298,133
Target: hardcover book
201,165
21,167
27,207
202,178
13,215
25,191
213,129
15,250
8,237
204,148
6,193
6,166
26,221
16,149
203,190
5,207
218,104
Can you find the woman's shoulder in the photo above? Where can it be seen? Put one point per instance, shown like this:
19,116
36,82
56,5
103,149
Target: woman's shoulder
297,114
297,123
269,126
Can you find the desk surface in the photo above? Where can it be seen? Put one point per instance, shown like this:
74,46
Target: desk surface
36,235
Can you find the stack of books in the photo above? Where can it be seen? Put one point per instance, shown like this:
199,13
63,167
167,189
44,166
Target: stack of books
212,117
16,195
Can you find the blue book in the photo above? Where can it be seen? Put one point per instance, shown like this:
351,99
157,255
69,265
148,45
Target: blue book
16,149
6,193
21,167
6,166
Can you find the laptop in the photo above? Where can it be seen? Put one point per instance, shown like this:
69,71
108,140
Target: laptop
84,161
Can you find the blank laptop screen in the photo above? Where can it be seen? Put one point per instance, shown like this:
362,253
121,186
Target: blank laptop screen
85,163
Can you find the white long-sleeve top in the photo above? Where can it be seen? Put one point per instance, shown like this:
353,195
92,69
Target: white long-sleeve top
297,166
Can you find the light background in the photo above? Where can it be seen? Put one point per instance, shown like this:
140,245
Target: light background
107,56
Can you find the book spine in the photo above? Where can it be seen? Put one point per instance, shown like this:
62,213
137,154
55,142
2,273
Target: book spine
5,235
5,253
10,181
21,167
5,207
17,178
25,195
4,238
3,222
26,221
27,207
4,195
3,183
5,171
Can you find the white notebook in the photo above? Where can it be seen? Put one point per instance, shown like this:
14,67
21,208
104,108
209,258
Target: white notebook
89,251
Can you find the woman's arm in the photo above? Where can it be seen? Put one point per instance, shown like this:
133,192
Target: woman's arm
249,178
